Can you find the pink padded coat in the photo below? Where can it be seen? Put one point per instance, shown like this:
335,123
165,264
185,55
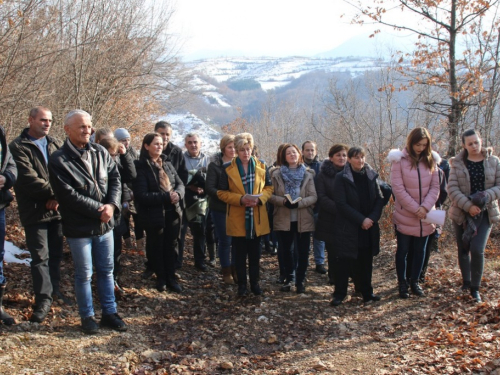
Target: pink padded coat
412,188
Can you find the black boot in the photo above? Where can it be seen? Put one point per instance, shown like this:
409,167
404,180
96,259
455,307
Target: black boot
403,290
416,288
474,292
466,286
242,290
4,317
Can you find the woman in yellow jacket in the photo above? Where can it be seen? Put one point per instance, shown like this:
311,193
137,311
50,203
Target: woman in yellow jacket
246,187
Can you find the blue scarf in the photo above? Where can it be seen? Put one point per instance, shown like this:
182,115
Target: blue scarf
292,179
248,181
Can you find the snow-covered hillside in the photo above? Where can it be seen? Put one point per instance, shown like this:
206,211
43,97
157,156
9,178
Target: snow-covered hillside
185,123
273,72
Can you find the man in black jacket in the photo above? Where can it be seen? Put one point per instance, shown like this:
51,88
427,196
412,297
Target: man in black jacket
8,175
173,152
87,186
38,208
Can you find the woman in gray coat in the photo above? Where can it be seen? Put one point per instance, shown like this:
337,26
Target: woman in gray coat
475,173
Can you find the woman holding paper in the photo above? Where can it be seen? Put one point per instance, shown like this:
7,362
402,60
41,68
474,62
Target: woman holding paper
158,190
293,218
474,187
415,185
359,203
245,187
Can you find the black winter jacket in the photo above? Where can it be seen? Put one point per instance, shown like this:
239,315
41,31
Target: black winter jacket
126,168
33,188
8,170
327,207
214,172
151,202
176,158
80,194
349,217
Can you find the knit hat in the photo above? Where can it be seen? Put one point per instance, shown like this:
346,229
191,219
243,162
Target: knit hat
121,133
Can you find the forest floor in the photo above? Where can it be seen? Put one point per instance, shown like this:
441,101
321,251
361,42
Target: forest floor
209,330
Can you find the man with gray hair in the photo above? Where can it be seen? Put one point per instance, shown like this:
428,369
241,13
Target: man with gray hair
195,199
87,185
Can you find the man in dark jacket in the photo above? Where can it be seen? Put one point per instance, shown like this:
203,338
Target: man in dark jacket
87,186
38,208
310,157
173,152
8,175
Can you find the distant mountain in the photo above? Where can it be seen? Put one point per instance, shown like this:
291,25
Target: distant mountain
228,87
382,45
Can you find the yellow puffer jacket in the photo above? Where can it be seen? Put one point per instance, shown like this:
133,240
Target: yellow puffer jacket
235,213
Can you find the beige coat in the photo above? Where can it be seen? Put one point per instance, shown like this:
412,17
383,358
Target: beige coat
281,214
459,187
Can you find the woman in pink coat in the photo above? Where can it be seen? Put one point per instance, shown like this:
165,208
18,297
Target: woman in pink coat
415,185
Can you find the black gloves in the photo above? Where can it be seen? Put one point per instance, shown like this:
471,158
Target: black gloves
289,205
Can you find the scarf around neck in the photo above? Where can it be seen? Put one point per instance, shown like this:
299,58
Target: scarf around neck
292,179
248,181
165,184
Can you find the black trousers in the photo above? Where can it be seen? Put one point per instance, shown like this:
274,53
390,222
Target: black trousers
138,229
45,244
118,231
198,231
296,258
428,249
244,248
362,267
161,247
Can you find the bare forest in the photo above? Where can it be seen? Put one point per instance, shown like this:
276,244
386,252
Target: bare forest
118,61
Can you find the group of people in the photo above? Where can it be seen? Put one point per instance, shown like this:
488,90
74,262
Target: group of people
89,187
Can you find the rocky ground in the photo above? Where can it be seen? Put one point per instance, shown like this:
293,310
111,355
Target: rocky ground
208,330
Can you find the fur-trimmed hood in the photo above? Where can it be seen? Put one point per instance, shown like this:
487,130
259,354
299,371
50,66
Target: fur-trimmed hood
329,169
459,158
396,155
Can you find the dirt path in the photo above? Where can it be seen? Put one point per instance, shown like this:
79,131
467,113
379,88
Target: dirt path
207,330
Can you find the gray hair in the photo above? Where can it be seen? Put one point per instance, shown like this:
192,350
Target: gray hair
76,112
189,135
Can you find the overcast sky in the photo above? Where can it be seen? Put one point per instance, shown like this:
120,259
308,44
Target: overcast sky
264,27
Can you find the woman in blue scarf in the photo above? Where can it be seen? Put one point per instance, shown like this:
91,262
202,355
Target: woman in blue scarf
293,219
245,187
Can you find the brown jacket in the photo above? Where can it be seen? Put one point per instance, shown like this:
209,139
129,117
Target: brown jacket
459,187
281,214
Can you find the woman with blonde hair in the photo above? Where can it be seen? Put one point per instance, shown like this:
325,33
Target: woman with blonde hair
245,187
218,207
415,185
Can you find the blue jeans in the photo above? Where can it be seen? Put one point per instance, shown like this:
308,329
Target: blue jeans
318,248
3,280
99,252
418,244
226,253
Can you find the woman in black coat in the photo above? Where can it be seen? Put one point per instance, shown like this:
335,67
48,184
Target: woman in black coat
337,157
157,192
126,168
359,203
